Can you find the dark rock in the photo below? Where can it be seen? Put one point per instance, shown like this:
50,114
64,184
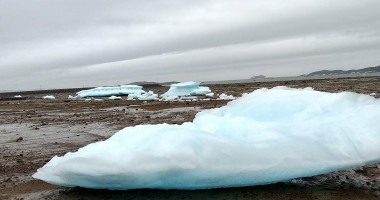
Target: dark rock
19,139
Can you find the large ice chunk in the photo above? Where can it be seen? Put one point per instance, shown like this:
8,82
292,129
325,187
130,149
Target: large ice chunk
186,89
110,91
263,137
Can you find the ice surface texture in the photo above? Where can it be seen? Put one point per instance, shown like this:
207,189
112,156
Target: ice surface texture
110,91
263,137
185,89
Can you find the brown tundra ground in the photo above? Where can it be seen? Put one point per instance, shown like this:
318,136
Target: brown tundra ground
32,131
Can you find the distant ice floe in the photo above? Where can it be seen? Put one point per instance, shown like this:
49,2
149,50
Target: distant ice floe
135,92
185,89
226,97
49,97
110,91
18,96
267,136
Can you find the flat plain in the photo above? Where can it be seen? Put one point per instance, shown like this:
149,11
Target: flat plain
33,130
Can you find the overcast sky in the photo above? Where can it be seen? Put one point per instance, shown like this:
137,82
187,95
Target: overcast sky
75,43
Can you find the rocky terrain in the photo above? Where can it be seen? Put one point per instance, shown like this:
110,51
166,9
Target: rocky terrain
33,130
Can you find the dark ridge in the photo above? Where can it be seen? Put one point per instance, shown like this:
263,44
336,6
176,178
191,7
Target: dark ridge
353,71
34,92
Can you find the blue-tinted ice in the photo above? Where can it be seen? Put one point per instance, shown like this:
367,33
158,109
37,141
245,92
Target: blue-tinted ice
264,137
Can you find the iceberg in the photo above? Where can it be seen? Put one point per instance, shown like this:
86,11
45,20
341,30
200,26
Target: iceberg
267,136
189,88
48,97
110,91
201,91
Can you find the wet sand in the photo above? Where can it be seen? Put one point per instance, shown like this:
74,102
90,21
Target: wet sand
33,130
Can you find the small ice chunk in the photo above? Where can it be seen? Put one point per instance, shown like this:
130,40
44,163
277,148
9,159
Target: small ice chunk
146,96
71,97
372,94
210,95
201,91
170,98
226,97
48,97
189,98
114,98
18,96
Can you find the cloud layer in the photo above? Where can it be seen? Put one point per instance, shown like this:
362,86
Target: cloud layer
73,43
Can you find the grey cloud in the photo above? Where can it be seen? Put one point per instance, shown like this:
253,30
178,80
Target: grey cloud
70,42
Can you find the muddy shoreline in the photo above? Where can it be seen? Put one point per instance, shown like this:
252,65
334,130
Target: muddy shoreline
33,131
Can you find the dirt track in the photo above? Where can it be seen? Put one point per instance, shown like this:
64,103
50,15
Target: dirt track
33,131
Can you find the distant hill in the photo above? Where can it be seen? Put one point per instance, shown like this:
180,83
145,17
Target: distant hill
142,83
147,83
353,71
168,83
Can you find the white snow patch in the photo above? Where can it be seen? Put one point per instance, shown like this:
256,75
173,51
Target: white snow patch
18,96
263,137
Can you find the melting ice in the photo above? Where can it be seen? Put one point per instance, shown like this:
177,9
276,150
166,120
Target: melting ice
110,91
185,89
263,137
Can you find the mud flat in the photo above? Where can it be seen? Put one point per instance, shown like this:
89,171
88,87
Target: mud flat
33,130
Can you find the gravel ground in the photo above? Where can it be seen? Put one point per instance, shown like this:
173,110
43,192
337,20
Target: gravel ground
33,130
